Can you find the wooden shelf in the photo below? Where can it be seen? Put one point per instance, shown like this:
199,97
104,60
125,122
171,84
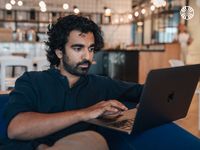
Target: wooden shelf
37,17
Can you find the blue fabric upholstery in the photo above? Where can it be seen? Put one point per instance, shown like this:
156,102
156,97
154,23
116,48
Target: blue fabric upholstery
166,137
3,100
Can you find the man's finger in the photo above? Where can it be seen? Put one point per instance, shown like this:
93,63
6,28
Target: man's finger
118,105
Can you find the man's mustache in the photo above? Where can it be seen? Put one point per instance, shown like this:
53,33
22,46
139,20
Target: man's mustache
84,62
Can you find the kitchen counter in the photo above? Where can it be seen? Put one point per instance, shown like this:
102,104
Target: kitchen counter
134,64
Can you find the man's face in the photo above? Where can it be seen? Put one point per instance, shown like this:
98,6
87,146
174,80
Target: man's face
79,52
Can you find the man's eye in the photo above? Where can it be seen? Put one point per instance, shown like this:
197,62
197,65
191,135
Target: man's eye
77,48
91,49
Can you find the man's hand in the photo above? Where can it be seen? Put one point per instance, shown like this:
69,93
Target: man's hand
110,107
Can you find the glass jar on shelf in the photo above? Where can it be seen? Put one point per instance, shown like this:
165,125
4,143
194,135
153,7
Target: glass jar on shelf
31,35
20,35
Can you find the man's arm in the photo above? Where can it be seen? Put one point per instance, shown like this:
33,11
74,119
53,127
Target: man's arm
32,125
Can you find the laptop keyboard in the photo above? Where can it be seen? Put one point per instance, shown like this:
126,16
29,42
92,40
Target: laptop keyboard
124,121
124,124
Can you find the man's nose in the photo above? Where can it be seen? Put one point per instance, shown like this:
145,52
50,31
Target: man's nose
86,54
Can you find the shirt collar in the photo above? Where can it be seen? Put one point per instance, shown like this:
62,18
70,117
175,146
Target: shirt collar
63,79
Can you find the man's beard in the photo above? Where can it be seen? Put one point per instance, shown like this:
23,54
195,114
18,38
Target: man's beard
76,69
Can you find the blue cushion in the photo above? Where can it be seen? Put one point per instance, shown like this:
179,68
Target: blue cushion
165,137
3,100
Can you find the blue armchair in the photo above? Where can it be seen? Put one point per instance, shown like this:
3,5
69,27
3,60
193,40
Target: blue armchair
169,136
3,100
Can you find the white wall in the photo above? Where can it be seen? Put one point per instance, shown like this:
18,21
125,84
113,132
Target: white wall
115,35
147,31
194,29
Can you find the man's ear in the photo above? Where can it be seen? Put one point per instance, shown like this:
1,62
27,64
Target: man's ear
59,53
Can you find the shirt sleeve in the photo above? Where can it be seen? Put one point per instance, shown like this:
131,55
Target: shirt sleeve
21,99
124,91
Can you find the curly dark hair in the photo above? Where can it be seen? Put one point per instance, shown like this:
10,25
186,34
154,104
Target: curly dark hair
58,34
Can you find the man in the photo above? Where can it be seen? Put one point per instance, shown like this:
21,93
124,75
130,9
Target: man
47,109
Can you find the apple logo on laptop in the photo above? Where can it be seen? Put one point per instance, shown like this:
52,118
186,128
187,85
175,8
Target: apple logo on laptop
170,97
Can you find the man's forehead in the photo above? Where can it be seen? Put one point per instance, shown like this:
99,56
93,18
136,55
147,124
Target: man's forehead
80,33
79,37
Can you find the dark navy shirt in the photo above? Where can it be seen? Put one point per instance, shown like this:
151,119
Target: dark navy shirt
49,92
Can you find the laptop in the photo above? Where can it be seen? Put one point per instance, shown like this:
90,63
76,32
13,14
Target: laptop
166,97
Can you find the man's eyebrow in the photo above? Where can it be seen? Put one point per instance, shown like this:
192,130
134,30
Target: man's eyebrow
82,45
77,45
92,45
